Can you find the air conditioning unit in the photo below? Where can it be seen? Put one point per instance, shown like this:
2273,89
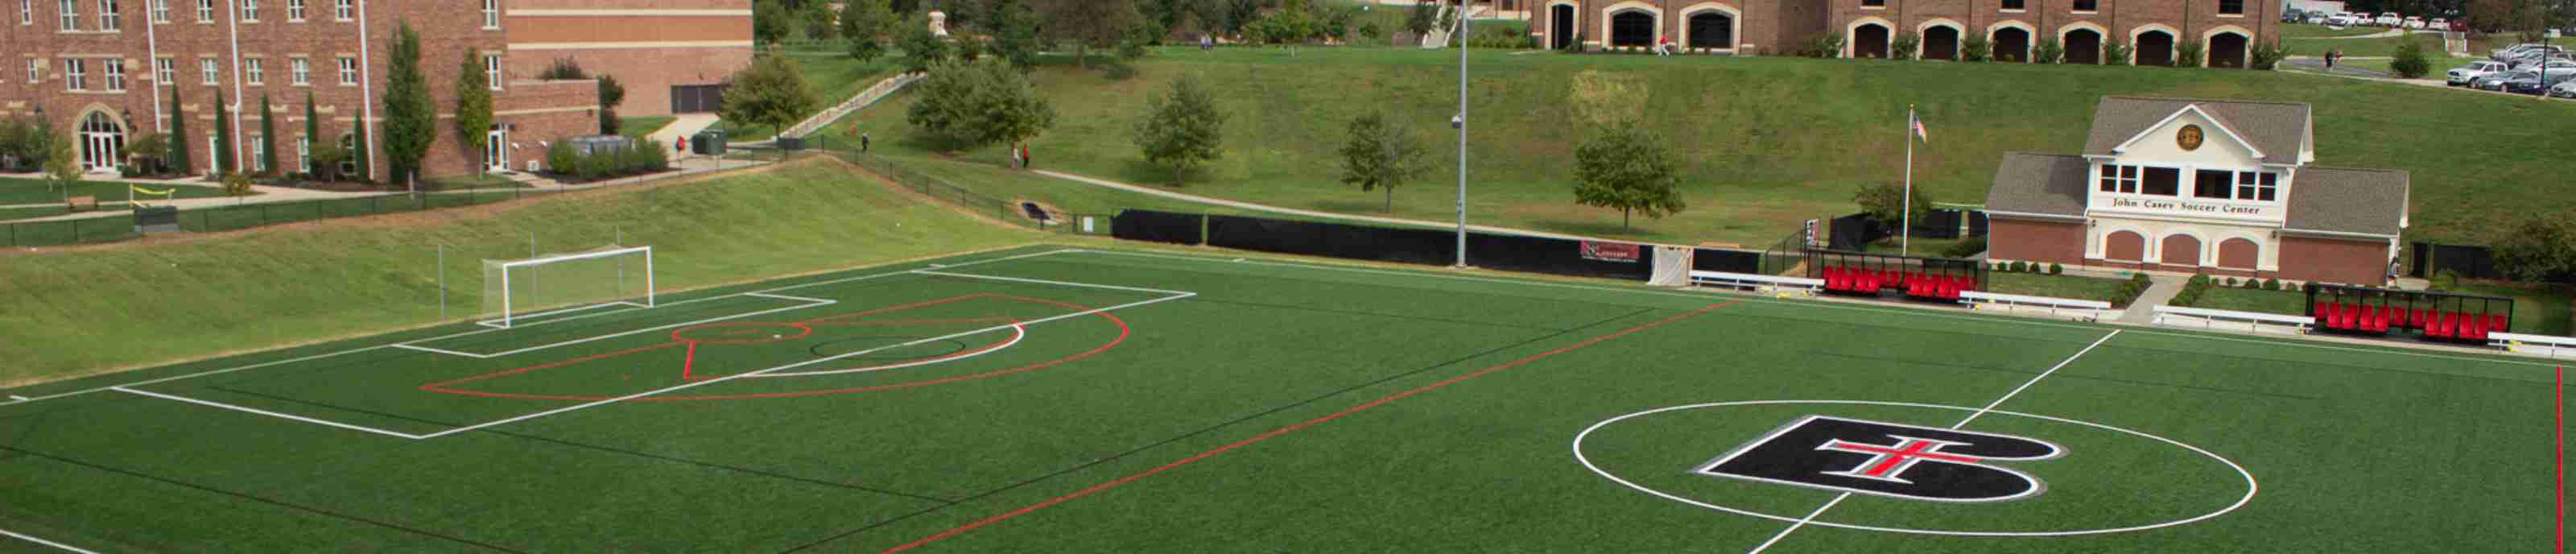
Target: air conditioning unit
532,166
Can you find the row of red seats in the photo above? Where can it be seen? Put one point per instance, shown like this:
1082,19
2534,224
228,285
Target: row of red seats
1869,281
2381,319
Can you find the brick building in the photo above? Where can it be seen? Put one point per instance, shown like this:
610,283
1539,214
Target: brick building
105,70
2226,30
2215,187
672,56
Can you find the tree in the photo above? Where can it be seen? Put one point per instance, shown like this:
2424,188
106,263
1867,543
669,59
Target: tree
1420,21
771,94
358,152
862,21
984,102
178,156
2048,52
227,159
2187,55
312,132
1627,167
771,21
2410,62
1381,155
268,139
1881,203
62,165
2539,248
1904,46
1014,28
921,49
1182,128
410,123
474,109
611,95
1089,24
1976,49
815,19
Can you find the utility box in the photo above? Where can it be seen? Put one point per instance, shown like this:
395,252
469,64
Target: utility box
156,219
709,142
594,144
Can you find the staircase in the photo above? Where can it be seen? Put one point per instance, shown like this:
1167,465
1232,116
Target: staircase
864,98
1439,36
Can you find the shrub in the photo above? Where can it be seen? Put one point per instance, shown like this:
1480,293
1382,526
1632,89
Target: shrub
2253,284
2117,53
2231,281
2055,269
1965,248
2019,267
641,158
2049,51
2271,284
2446,280
1903,47
1827,45
1976,49
2268,56
2197,280
1500,37
2410,62
2187,55
1120,72
236,184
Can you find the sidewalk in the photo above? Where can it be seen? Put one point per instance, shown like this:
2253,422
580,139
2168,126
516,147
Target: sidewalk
2142,311
686,125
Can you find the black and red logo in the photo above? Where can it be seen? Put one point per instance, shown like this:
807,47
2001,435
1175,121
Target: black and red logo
1888,459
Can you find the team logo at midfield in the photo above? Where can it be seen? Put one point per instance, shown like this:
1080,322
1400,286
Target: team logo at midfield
1888,459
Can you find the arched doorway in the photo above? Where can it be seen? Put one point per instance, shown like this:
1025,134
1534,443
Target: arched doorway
2181,249
2238,253
2124,246
2012,44
1632,28
1869,41
2155,48
2083,47
2228,50
1941,42
1712,30
1560,26
102,142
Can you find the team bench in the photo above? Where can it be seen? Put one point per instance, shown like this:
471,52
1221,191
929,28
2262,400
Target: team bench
78,203
1752,281
2208,318
2538,344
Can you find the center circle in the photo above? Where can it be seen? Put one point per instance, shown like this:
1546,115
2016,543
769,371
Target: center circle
2250,487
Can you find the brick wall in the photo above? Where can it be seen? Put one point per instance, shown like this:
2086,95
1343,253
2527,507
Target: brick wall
648,45
2035,241
2190,20
647,74
2334,260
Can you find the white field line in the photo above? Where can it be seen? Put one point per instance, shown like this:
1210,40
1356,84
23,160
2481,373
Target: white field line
812,302
2052,370
482,331
1832,306
1017,332
408,346
33,539
582,308
270,413
1047,282
675,388
786,297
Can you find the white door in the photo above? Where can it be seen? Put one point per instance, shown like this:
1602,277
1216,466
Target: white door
496,151
102,143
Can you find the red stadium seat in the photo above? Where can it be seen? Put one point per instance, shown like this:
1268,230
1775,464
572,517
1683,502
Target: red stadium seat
2497,322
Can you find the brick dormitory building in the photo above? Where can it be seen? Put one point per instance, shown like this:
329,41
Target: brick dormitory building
103,71
2226,30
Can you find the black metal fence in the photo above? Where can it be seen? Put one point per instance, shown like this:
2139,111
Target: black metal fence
2471,262
118,227
1558,256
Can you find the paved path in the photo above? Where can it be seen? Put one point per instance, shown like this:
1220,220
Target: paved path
1104,183
2143,310
2381,34
2318,65
686,124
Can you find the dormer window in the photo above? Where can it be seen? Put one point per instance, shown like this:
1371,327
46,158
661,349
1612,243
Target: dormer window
2257,185
2120,178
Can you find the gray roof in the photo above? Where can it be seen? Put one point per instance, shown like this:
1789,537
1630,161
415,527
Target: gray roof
2368,201
2279,130
2050,184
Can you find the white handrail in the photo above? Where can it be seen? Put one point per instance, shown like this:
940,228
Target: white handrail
2045,301
2547,345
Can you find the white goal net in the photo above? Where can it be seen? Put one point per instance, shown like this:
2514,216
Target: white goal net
609,276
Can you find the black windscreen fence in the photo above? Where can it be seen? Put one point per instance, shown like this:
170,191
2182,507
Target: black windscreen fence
1977,224
2471,262
1421,246
1939,224
1147,225
1854,233
1731,261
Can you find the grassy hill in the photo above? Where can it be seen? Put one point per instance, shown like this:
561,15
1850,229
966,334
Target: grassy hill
1764,142
80,311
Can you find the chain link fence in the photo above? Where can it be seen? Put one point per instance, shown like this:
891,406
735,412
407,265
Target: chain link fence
1022,212
97,230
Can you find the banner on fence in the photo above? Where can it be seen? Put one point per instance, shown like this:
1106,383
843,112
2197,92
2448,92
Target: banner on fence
1609,251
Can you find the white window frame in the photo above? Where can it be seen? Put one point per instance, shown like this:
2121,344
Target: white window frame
165,72
304,155
160,11
115,71
70,15
250,11
302,71
26,12
2124,179
295,11
348,71
2250,187
492,70
205,11
74,73
35,71
207,73
258,154
491,14
253,72
342,10
107,20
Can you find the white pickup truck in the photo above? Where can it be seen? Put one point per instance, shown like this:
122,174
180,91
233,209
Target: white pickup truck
2461,76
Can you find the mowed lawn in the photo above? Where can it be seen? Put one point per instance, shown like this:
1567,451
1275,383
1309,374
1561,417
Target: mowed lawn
1763,143
38,191
77,311
835,76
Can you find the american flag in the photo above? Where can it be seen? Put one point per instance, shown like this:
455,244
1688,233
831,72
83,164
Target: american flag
1918,127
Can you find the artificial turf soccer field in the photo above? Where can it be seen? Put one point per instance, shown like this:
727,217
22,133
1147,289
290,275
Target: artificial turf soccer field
1051,399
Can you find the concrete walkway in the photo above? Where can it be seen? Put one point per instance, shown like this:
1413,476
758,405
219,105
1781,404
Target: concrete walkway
2143,310
686,124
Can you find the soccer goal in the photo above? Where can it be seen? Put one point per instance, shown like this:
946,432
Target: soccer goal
611,276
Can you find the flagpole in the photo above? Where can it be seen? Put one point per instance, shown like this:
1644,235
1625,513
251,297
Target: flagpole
1905,230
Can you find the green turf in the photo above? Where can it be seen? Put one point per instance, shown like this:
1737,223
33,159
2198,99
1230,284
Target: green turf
639,127
36,191
2298,31
1277,407
33,212
1767,142
149,302
2384,46
2059,286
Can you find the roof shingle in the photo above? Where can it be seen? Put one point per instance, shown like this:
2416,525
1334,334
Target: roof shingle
2051,184
2278,129
2366,201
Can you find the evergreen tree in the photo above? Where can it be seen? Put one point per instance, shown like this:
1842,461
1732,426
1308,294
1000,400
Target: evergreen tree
312,130
1090,24
1015,32
358,150
410,116
268,139
179,135
474,109
225,157
611,95
921,49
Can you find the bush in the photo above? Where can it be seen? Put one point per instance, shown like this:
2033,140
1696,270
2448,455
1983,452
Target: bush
2253,284
2271,284
2446,280
2231,281
1501,38
1965,248
2020,267
2055,269
641,158
2049,51
2268,56
2187,55
2410,62
2117,53
1827,45
1120,72
1976,49
1903,47
236,184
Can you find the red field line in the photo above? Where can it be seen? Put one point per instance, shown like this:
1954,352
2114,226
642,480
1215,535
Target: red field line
2561,408
1096,489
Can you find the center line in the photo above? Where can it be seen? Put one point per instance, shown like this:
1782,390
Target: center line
1820,510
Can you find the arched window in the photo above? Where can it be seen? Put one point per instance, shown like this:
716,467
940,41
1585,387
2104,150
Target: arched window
1632,28
1712,29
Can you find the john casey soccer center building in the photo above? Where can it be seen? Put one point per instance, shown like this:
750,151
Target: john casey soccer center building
2222,188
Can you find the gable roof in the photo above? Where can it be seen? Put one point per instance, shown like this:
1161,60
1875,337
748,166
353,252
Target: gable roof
2278,130
2338,200
2045,184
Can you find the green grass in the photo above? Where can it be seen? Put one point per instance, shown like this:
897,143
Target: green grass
639,127
2299,31
36,191
2290,302
1281,407
1763,142
244,291
836,78
469,182
34,212
2058,286
2386,46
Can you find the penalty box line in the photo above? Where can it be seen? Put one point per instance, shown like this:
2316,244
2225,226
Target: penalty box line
808,303
1838,499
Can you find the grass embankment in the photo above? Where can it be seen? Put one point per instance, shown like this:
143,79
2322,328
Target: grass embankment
86,310
1763,142
836,77
2541,310
36,191
2301,30
2383,46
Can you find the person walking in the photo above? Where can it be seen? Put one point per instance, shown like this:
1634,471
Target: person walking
1025,162
863,143
680,148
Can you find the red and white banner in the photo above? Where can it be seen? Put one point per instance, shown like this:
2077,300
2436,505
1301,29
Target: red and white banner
1610,251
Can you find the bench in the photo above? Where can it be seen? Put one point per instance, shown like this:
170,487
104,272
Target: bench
2533,344
2178,316
77,203
1755,282
2090,309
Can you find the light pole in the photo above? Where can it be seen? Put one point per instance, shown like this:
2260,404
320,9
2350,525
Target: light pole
1460,122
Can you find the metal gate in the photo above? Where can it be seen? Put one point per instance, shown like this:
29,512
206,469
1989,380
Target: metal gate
696,98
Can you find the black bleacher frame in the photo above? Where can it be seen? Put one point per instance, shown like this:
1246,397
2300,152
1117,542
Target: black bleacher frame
2381,312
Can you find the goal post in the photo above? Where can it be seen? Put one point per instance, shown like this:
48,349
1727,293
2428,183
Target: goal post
514,290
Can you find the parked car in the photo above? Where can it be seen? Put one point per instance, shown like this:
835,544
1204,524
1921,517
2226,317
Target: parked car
2534,61
2414,23
2563,90
2438,24
2495,81
2388,19
2520,49
2460,76
2530,83
2460,26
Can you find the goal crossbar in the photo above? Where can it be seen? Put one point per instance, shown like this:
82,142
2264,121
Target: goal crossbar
509,313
